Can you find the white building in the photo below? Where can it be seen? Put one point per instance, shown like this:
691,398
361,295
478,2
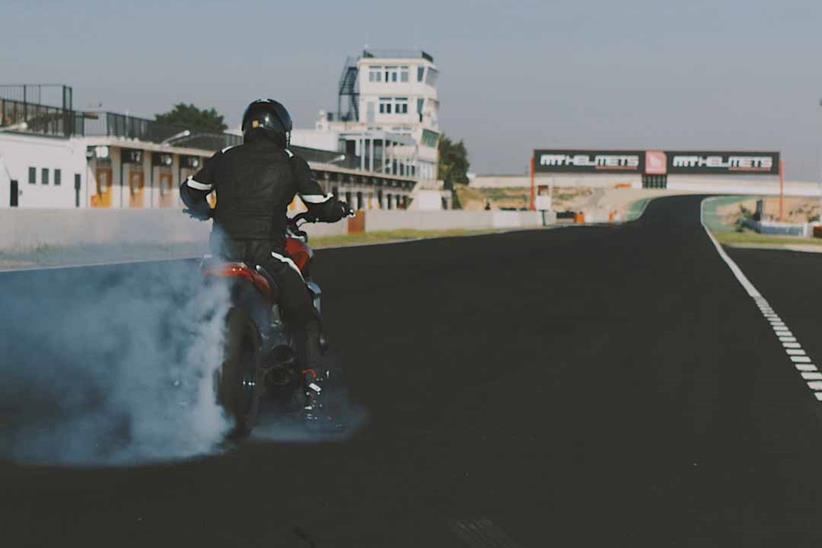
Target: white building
387,115
55,157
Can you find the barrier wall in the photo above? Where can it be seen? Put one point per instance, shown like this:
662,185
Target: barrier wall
28,229
381,220
31,228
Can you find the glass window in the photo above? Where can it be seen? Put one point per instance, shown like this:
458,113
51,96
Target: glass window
58,175
392,73
403,74
375,74
420,73
430,138
44,175
385,105
420,104
32,175
401,105
431,78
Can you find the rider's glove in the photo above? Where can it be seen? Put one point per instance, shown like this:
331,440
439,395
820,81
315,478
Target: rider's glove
199,215
345,209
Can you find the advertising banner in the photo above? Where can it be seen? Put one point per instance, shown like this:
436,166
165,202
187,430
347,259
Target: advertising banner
588,161
723,163
656,162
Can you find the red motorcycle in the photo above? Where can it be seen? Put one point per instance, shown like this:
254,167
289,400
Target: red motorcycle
259,361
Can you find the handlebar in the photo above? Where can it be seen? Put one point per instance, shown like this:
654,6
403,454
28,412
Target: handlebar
294,224
305,216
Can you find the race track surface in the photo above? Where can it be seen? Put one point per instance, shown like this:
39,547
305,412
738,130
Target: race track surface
601,386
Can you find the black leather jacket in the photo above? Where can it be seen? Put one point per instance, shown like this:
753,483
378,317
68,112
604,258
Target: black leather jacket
255,182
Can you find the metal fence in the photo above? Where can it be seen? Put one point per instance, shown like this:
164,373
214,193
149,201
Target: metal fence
50,95
25,117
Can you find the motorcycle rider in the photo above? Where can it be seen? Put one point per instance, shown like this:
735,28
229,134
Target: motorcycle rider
255,182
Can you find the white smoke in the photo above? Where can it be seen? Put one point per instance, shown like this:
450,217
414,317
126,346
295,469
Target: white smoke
110,365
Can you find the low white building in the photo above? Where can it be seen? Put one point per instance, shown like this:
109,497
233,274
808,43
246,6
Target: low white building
54,157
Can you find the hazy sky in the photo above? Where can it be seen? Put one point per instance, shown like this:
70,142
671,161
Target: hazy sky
514,75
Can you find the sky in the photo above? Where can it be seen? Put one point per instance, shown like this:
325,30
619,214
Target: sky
514,75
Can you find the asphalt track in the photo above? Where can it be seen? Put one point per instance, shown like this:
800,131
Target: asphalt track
603,386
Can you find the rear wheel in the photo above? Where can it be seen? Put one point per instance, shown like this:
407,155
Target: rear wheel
236,378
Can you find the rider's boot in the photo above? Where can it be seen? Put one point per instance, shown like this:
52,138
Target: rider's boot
314,375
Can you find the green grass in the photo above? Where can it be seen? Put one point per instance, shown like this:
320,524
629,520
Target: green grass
637,208
390,236
749,237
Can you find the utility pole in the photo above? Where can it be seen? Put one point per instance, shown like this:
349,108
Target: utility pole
819,156
533,197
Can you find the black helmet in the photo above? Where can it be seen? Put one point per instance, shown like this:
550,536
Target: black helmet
268,118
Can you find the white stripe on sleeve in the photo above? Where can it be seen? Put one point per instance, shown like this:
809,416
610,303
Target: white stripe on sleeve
316,198
197,185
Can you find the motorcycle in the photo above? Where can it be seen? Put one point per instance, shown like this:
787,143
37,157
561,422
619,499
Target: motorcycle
259,356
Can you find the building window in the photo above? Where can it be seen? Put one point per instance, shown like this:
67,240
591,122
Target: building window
420,73
430,138
396,73
44,175
393,105
375,74
58,174
32,175
431,77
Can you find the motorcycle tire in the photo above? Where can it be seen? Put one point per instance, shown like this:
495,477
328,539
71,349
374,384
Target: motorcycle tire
236,378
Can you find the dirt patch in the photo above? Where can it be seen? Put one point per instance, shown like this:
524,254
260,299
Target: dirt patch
795,210
564,198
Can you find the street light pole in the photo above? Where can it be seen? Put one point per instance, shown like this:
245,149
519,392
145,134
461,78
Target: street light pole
819,166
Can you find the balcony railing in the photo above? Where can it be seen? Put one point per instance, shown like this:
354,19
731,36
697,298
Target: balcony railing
25,117
397,54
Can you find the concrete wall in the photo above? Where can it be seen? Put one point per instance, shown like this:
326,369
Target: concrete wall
427,199
22,229
380,220
764,185
562,179
500,181
727,184
31,238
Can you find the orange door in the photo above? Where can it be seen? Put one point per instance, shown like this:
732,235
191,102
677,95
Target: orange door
102,198
167,194
136,187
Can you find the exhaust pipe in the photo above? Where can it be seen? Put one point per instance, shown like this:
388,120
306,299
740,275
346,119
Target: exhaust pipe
279,367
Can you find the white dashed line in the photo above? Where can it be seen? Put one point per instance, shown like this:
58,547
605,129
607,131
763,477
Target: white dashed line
791,346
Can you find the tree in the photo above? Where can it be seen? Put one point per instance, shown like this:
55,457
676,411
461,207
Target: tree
191,117
453,165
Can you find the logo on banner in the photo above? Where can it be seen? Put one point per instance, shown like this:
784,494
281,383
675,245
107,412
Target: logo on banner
595,161
656,162
756,164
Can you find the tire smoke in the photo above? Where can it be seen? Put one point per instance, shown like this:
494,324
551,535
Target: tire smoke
110,365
